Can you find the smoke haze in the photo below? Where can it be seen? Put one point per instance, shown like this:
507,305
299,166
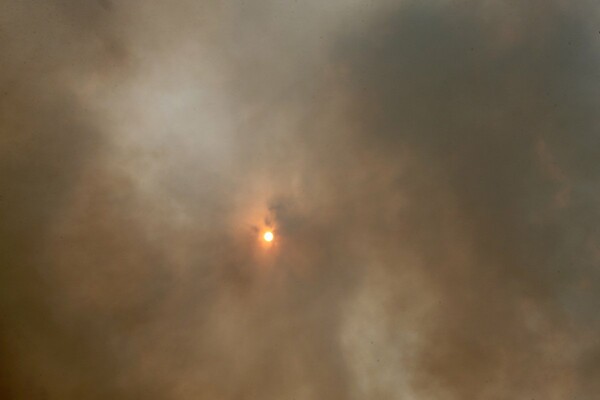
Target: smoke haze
430,170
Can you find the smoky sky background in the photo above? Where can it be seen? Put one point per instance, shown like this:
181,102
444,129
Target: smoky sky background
431,170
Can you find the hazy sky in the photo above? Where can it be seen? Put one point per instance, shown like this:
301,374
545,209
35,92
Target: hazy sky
430,170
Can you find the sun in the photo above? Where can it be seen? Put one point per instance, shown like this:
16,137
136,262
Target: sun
268,236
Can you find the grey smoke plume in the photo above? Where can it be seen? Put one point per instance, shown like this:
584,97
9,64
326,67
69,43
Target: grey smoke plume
430,171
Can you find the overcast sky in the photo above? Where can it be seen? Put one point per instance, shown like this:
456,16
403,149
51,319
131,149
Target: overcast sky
430,171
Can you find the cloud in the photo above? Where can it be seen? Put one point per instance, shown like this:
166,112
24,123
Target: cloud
428,168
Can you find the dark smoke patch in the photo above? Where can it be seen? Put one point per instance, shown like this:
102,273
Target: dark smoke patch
470,109
47,140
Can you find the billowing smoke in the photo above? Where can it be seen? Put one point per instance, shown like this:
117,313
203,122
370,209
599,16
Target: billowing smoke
430,170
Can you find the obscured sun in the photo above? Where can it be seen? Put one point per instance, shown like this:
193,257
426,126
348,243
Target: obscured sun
268,236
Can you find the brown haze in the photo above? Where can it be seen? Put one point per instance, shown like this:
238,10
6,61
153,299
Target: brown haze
431,170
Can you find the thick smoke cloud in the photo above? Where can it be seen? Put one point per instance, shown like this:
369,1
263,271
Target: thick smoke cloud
430,170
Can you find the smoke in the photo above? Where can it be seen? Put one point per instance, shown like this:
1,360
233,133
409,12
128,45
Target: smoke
429,169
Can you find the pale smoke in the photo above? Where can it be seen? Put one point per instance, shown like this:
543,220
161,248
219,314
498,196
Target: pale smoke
429,169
